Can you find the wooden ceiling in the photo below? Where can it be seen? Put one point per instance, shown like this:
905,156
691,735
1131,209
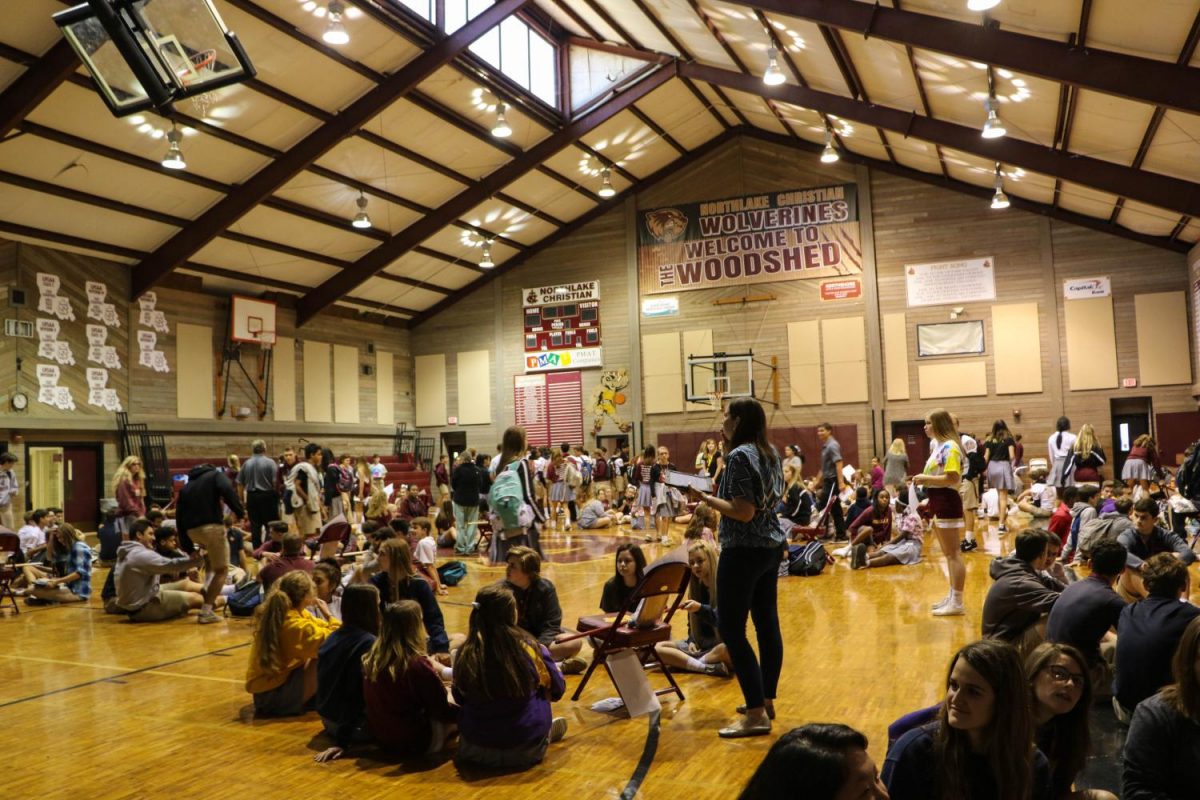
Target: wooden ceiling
1101,101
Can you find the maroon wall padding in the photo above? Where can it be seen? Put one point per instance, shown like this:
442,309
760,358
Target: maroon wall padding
1175,432
684,445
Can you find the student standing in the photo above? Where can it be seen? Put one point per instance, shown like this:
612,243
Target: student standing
9,489
833,482
129,487
942,475
895,467
201,518
465,492
257,478
999,452
1059,447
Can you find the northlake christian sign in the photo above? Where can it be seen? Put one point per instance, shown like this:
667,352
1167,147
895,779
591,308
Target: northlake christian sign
790,235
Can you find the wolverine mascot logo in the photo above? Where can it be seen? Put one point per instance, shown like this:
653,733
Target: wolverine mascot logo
666,224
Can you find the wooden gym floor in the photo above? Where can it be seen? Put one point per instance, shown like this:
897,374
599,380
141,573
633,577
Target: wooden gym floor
136,711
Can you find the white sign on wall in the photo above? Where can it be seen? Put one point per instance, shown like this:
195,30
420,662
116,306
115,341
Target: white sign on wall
660,306
579,358
946,282
1084,288
562,293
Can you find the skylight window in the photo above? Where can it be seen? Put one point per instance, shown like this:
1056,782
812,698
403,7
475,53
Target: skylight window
514,48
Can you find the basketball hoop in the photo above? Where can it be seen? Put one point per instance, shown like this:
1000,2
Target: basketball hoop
200,66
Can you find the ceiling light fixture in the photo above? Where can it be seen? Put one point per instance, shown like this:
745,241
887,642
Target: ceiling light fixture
335,32
174,157
361,220
485,261
999,199
773,76
993,126
830,154
501,130
981,5
606,187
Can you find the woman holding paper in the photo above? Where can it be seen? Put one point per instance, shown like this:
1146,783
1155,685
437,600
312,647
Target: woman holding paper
751,549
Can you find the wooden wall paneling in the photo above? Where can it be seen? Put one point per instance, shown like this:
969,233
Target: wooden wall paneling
194,371
804,363
1162,327
952,379
385,406
345,384
1091,343
697,343
283,377
318,397
1016,348
474,380
844,360
895,355
662,383
430,377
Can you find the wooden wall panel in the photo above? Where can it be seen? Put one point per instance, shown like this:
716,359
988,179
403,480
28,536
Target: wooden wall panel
283,375
804,363
663,384
844,360
194,383
895,355
952,379
1091,343
430,377
697,343
1016,348
385,405
318,396
475,372
345,384
1162,327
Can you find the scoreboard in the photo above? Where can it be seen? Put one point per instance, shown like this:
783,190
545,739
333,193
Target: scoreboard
565,326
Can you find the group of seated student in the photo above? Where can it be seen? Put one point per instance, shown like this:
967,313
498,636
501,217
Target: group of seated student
65,573
1023,591
137,590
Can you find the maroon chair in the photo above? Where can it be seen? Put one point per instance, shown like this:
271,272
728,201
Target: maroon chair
817,530
10,545
642,622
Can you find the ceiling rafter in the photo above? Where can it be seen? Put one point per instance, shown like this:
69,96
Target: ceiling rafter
405,240
1185,57
845,65
916,73
1133,77
35,84
1068,96
274,175
669,35
1148,187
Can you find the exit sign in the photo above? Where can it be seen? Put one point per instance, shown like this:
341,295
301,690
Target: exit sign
1129,383
451,420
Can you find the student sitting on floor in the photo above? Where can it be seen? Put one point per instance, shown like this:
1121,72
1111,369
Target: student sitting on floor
327,587
397,580
631,566
981,744
541,615
702,650
282,674
1087,613
290,560
137,576
408,710
904,547
340,670
504,682
871,529
1040,499
796,507
592,513
1016,604
425,554
166,544
1145,540
830,759
272,546
1061,690
447,534
64,544
1163,745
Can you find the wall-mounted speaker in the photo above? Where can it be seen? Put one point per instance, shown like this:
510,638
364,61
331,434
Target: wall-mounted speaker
370,347
17,298
367,369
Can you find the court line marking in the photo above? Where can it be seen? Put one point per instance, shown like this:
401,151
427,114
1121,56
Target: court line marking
150,668
65,663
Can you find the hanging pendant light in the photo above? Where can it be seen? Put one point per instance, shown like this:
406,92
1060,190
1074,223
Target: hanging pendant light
501,130
335,32
606,187
982,5
361,220
830,154
993,126
174,157
485,261
773,76
999,199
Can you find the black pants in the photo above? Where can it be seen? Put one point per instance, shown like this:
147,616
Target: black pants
262,508
747,586
839,520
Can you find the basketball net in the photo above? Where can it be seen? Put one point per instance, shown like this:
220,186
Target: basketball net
202,63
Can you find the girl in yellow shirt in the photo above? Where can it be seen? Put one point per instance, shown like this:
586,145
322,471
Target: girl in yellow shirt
282,674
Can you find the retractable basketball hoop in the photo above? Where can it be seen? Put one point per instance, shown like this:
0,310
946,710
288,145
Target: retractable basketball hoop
715,377
251,321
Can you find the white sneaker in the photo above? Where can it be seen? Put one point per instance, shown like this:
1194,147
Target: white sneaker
558,729
842,552
944,601
950,609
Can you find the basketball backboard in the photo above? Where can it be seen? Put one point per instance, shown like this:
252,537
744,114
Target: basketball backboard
719,374
252,320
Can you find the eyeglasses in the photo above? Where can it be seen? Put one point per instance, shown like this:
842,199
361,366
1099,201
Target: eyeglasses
1064,676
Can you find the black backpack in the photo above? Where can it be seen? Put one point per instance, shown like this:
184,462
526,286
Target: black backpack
245,599
807,559
1187,480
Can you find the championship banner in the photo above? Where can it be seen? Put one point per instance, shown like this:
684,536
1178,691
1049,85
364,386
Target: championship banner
782,236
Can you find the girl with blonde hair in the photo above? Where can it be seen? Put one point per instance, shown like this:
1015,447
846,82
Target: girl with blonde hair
895,467
942,474
129,487
282,674
1086,458
702,650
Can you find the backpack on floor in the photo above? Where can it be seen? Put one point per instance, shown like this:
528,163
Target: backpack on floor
452,572
807,559
245,599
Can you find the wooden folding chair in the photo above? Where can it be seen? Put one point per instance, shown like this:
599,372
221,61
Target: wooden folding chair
10,545
642,622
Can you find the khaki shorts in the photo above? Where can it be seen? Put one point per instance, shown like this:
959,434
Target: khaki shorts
212,539
969,495
167,604
307,522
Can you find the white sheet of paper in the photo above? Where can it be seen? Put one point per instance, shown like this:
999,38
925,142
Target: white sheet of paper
97,377
96,397
95,311
158,321
46,304
159,361
47,395
110,316
47,283
47,349
110,358
147,340
64,355
682,480
146,358
630,679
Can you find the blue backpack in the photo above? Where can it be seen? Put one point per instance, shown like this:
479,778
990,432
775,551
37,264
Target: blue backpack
506,499
245,599
452,572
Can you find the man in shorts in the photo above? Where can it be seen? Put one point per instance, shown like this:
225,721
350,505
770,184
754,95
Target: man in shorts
201,516
307,484
138,571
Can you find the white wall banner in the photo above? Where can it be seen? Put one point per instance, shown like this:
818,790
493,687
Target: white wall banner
946,282
1084,288
660,306
563,293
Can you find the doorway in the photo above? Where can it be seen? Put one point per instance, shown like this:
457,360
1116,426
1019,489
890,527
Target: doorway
916,443
1130,419
453,443
66,476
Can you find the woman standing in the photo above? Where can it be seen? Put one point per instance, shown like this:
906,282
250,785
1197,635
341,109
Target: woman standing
1141,466
999,452
645,496
560,493
751,548
513,451
129,487
1059,446
895,467
1086,458
943,473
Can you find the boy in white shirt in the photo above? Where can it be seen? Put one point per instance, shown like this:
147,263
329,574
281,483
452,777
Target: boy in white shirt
425,553
1040,499
33,535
